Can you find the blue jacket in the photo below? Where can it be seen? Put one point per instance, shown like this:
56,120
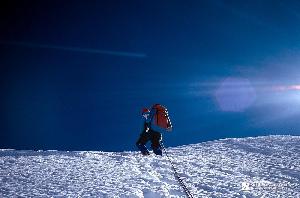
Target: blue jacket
147,122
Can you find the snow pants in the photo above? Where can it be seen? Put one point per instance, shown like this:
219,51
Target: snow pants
154,137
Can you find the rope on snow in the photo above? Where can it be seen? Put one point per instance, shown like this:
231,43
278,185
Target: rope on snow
180,181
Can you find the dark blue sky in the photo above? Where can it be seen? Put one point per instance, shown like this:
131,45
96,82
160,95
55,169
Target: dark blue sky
75,74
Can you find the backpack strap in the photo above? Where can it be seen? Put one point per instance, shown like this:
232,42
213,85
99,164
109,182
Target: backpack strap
153,111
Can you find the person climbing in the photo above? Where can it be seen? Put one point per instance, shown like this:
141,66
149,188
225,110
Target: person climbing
155,121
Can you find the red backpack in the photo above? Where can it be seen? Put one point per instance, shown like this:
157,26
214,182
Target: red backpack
161,117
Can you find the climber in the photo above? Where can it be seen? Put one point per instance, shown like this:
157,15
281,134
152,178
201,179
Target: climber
155,121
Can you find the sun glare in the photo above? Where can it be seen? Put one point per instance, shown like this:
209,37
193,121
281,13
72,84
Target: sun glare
235,94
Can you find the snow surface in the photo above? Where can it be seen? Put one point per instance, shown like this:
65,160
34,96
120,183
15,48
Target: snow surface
248,167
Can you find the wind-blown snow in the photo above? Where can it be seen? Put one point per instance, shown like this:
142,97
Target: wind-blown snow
247,167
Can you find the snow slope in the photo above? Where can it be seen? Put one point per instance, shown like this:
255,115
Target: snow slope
247,167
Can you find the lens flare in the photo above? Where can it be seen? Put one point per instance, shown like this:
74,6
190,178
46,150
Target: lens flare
287,88
235,94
